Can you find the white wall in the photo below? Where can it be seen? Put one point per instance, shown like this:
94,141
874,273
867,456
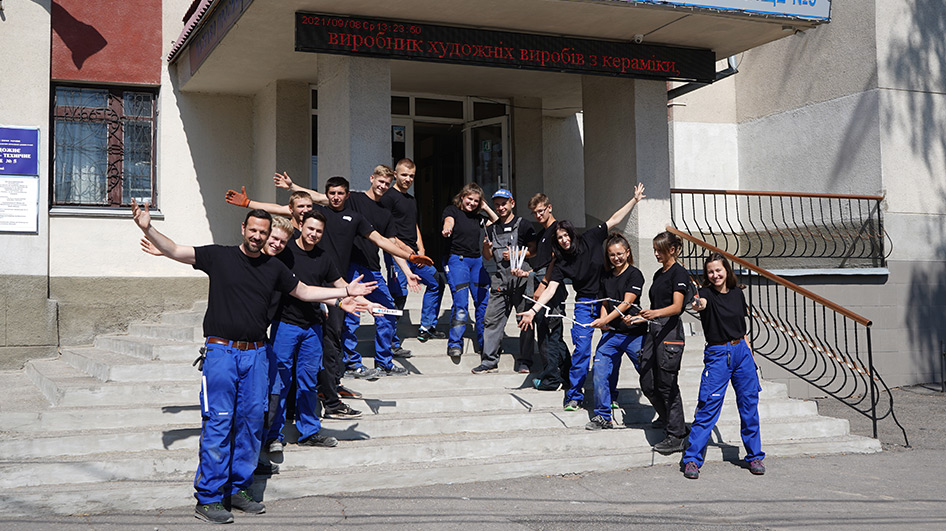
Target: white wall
24,102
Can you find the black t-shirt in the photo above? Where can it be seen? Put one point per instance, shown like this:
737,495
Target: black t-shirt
465,239
341,228
313,268
544,239
724,318
365,252
666,283
403,208
614,287
585,266
501,234
241,289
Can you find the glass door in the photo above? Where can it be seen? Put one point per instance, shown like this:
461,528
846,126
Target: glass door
488,157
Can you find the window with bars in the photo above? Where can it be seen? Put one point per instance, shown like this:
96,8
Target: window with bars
103,146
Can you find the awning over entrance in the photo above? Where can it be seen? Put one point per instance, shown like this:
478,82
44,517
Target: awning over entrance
239,46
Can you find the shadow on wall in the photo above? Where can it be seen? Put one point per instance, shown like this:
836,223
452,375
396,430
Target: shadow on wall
218,131
917,62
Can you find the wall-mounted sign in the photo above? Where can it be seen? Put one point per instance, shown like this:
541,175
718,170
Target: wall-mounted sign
19,204
19,151
810,9
446,44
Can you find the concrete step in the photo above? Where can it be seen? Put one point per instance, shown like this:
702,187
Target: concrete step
445,452
190,318
173,332
110,366
64,385
106,495
60,420
150,348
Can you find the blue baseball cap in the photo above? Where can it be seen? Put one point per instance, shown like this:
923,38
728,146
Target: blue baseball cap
502,192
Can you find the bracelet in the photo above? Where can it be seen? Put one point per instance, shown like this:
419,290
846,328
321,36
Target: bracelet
347,293
338,302
534,311
544,282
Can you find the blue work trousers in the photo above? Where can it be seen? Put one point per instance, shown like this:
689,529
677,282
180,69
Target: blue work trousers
725,363
467,277
232,404
305,346
585,312
397,283
384,324
607,366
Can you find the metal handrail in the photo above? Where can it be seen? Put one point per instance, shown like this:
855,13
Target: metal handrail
830,230
811,337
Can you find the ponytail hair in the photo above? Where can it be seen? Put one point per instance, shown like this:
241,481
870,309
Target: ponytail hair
616,238
668,243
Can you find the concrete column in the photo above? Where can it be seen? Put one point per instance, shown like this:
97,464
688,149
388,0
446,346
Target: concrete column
527,147
281,135
654,169
354,117
627,141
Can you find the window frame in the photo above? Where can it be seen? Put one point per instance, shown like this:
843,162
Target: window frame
114,117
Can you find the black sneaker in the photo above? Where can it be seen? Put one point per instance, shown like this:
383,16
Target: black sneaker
347,393
274,446
756,467
599,423
363,373
691,471
244,502
669,445
401,352
424,334
266,469
341,412
483,369
215,513
319,440
454,352
393,371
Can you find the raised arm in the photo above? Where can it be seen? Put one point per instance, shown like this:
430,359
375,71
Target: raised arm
239,199
622,212
489,211
181,253
282,180
355,288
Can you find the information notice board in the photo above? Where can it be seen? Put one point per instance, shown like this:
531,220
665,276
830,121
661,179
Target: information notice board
321,33
19,179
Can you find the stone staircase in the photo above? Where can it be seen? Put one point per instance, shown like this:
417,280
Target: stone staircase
116,425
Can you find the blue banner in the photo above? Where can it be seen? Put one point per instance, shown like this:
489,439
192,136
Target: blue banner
19,151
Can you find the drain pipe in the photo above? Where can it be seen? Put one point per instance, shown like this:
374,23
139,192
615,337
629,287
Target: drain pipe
690,87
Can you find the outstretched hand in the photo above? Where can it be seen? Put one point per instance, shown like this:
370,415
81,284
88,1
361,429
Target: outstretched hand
238,198
639,192
149,247
698,303
525,319
353,305
421,260
357,288
141,216
282,180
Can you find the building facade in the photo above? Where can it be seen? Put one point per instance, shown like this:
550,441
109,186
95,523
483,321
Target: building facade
175,102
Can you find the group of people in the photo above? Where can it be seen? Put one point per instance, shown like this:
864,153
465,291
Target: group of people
304,271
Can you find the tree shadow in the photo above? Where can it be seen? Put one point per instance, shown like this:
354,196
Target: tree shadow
916,62
82,39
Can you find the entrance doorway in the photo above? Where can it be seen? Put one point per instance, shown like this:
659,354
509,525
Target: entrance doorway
453,141
438,154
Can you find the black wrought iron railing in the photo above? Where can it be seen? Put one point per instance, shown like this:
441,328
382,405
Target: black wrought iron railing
785,230
812,338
